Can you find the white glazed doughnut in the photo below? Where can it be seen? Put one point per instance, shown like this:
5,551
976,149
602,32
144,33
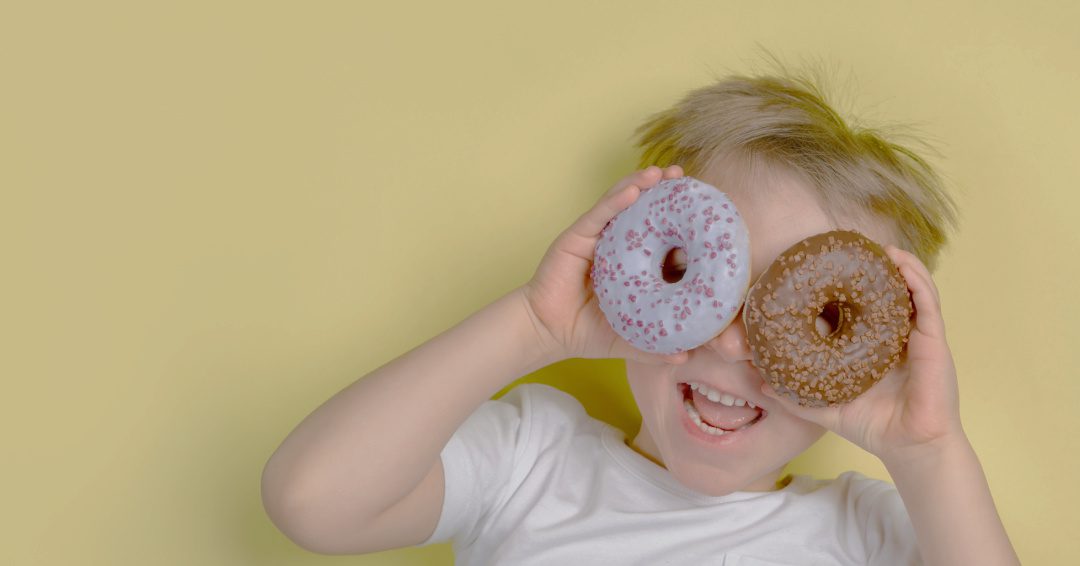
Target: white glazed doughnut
664,317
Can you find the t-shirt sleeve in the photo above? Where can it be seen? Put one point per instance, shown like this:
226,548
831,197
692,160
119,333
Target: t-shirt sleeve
477,463
887,531
488,456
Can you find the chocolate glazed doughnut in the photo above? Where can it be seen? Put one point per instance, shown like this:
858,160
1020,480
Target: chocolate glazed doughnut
828,318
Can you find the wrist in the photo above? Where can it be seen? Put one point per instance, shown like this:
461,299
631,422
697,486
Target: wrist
929,455
543,345
947,497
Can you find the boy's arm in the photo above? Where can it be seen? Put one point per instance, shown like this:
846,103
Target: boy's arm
911,421
948,500
372,444
363,473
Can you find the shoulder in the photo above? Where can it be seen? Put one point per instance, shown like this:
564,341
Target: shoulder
526,402
549,417
847,485
877,513
527,415
867,491
542,399
854,498
863,495
858,483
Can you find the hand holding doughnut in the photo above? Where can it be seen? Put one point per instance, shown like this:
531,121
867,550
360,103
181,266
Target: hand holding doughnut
558,299
914,408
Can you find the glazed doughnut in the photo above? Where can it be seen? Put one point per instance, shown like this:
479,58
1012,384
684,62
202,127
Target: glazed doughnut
828,318
667,313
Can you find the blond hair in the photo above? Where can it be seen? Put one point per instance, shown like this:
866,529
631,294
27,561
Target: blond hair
786,120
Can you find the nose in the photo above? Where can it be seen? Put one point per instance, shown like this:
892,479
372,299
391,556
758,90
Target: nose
731,343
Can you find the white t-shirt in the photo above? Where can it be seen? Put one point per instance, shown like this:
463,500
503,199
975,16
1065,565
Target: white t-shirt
532,479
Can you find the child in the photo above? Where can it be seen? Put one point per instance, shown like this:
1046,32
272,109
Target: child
416,453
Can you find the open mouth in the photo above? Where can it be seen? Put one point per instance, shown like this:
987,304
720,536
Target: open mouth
718,413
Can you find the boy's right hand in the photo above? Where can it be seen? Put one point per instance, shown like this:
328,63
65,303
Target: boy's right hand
563,307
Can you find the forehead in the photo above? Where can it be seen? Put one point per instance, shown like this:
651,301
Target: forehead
780,209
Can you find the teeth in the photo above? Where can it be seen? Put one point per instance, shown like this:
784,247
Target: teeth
718,397
705,427
696,417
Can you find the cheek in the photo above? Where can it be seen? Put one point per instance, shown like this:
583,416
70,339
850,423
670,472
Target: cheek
650,385
798,433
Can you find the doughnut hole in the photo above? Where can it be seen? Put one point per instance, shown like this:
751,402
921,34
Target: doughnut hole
673,266
832,319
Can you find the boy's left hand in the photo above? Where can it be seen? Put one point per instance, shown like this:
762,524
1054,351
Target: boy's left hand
916,405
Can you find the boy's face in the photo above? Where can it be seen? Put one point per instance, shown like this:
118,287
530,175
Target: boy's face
779,210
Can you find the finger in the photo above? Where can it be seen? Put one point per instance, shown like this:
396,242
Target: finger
928,319
673,172
924,293
902,257
643,179
581,237
579,240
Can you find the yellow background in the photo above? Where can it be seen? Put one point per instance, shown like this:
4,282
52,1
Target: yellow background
216,215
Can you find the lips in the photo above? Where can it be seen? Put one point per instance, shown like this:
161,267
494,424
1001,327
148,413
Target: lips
719,410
